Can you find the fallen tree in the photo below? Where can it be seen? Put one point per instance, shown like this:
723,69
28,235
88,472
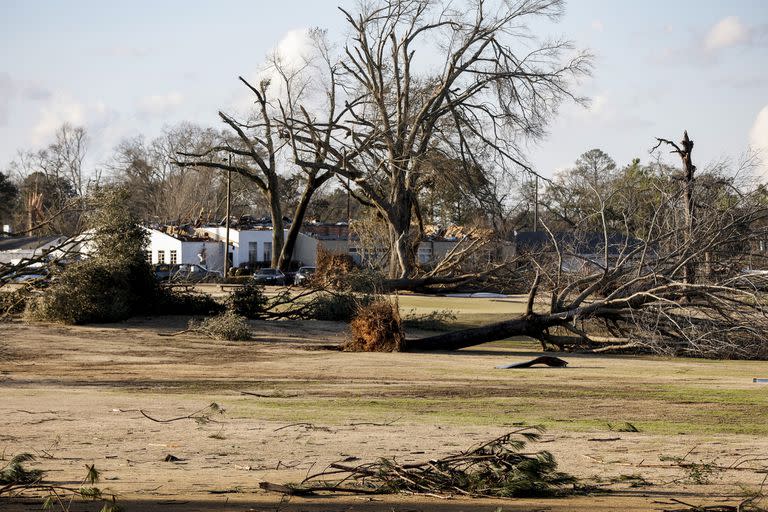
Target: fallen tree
674,286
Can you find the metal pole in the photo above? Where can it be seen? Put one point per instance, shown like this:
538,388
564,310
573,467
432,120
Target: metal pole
229,195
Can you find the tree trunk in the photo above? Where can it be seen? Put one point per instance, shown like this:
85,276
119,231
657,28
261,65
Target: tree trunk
689,169
286,253
278,236
401,258
531,325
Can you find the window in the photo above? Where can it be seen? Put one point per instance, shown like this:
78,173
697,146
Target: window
161,256
425,254
253,252
173,258
267,251
148,256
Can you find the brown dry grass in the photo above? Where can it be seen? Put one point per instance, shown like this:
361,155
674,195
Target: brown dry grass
75,392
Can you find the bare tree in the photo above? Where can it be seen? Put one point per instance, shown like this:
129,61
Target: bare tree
635,290
259,149
53,183
161,191
422,77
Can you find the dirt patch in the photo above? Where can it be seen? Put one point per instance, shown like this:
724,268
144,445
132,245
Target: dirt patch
74,395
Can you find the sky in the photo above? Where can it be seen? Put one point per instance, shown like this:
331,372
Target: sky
121,69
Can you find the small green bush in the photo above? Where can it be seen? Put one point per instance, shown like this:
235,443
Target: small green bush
438,320
227,326
339,307
171,302
248,301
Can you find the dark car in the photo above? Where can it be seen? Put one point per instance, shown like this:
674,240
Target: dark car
185,272
269,276
304,275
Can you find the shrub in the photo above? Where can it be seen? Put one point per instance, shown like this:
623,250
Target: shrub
13,303
96,291
115,282
338,271
248,301
338,307
377,327
227,326
438,320
171,302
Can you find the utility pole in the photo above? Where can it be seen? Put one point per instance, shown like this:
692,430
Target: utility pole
229,196
536,205
349,192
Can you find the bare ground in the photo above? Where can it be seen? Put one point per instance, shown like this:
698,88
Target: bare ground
72,395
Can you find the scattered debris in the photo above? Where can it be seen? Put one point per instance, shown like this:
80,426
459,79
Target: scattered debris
623,427
554,362
497,468
15,479
201,416
748,505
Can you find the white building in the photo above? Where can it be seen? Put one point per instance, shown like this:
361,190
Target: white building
254,246
15,249
184,248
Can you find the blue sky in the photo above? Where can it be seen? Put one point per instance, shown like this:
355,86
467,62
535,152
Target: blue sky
124,68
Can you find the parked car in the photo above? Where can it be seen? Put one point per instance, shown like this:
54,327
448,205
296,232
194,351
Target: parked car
269,276
185,272
304,275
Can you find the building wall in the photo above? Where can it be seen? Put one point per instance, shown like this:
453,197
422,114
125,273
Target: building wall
305,250
159,241
14,256
214,254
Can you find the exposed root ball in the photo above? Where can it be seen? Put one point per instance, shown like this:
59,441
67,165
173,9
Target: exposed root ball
377,327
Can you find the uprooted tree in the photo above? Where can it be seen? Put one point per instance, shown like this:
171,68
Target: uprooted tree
674,284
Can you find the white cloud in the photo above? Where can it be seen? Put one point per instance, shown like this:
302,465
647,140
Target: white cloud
758,138
727,32
61,109
125,51
160,104
292,53
12,90
598,26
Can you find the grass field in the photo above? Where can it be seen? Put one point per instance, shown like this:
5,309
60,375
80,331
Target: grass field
292,405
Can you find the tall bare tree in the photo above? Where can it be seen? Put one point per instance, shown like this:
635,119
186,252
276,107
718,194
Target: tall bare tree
420,77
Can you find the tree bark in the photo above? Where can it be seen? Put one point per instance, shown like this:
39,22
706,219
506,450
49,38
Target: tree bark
286,254
531,325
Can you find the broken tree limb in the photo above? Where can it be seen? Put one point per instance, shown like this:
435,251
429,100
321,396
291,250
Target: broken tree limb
554,362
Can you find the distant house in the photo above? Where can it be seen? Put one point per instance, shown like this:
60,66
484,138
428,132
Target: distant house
581,251
434,247
15,249
253,247
174,245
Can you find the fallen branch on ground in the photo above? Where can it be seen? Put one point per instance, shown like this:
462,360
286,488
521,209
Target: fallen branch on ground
497,468
201,416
